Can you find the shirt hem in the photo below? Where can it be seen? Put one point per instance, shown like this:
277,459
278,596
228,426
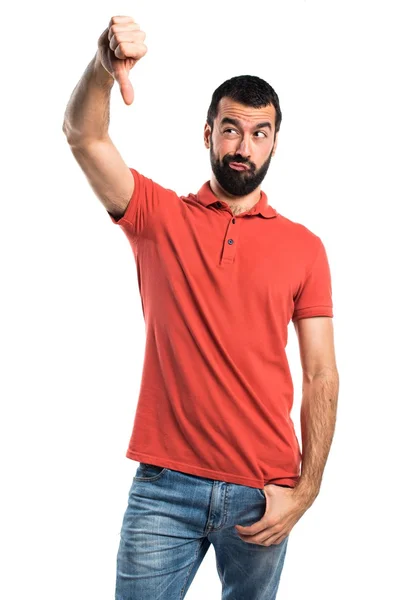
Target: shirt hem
208,473
313,311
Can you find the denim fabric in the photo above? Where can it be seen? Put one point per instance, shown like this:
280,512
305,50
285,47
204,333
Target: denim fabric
171,520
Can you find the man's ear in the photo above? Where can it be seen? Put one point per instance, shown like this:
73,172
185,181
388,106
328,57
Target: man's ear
275,143
207,135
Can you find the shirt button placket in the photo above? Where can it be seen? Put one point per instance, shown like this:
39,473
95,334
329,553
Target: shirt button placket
231,242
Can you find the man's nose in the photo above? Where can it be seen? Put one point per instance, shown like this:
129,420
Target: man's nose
244,147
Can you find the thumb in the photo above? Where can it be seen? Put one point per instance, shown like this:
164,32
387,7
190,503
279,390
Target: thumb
125,85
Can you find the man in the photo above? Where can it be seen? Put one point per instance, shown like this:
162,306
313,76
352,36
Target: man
221,273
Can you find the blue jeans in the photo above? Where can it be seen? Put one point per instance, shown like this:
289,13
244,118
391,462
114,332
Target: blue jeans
171,520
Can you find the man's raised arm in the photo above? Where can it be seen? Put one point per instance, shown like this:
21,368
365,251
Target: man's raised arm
87,115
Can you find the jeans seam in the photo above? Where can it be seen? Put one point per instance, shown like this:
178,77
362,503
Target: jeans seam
219,569
191,569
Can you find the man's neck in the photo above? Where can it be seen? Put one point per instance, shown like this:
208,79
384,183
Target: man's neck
237,204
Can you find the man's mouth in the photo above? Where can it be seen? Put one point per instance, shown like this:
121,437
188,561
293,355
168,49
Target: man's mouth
238,166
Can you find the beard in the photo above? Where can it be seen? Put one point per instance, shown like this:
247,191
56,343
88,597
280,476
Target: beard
237,183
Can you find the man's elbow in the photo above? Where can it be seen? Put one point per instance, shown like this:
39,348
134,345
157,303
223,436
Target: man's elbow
321,373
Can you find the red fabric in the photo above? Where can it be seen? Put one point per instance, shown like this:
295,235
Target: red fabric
218,292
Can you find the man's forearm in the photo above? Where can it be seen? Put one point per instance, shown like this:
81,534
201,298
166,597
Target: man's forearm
87,115
318,418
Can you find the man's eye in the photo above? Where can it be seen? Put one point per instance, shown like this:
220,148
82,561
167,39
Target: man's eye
231,129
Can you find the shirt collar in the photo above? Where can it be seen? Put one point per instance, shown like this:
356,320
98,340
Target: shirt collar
206,196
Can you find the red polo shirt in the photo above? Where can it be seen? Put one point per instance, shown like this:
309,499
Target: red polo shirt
218,292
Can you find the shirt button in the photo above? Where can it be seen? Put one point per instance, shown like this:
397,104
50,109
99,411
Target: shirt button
231,241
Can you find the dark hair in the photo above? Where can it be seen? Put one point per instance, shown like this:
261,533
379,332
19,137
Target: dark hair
246,89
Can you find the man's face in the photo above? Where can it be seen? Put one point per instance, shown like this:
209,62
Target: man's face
241,135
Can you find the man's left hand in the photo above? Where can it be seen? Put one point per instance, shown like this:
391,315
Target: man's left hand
283,510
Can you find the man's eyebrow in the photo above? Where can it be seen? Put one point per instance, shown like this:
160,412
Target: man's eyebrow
237,123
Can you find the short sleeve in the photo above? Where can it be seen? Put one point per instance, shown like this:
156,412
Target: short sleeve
144,204
314,296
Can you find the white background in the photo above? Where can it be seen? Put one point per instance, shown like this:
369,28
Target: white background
72,332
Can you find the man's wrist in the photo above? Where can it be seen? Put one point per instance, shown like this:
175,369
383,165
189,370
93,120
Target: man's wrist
305,491
101,75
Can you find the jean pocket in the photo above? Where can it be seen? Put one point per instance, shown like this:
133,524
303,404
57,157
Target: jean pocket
262,493
149,472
